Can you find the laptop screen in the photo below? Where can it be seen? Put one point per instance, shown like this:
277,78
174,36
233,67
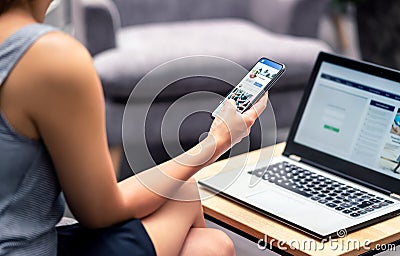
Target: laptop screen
354,116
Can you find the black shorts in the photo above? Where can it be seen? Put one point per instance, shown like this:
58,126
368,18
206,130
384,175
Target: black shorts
127,238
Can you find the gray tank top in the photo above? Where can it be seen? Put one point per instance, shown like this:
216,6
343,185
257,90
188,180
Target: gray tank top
30,201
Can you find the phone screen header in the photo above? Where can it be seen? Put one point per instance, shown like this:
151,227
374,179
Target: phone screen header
271,63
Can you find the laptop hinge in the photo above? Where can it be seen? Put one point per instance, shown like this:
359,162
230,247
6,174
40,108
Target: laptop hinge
395,196
295,158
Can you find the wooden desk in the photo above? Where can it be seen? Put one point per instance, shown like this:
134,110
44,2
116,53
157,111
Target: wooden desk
292,241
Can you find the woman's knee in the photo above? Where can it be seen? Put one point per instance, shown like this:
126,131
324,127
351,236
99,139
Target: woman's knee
222,244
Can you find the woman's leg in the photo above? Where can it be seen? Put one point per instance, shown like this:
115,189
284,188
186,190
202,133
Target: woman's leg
179,228
207,241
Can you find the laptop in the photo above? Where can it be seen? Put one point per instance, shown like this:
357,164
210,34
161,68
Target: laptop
339,170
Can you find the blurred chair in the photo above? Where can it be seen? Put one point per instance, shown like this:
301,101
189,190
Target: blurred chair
128,38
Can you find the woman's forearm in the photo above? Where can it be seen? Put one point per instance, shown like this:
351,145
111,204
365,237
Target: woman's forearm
148,190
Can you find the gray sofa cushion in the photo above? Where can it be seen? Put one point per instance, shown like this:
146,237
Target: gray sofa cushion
135,12
142,48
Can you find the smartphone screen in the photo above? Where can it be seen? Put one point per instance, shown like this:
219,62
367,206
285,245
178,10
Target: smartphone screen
258,81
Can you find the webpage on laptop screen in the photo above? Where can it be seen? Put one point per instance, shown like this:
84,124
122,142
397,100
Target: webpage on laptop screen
354,116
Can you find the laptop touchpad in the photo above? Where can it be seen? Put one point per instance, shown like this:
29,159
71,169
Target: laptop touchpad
272,199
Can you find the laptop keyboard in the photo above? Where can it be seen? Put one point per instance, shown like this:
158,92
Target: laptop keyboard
338,196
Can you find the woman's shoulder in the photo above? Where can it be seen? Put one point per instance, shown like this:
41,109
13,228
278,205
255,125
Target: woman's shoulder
58,49
56,71
57,59
56,39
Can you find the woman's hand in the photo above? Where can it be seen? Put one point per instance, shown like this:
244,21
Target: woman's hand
230,127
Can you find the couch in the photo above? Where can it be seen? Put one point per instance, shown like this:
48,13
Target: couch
129,38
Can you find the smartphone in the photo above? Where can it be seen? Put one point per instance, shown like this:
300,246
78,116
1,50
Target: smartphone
254,85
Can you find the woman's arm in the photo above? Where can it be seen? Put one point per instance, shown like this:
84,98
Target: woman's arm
66,105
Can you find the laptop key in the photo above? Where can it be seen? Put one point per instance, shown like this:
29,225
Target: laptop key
357,199
354,214
258,172
389,202
295,190
365,204
339,208
369,209
331,205
315,198
346,211
322,201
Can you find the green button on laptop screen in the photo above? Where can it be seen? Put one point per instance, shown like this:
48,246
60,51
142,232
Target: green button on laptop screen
331,128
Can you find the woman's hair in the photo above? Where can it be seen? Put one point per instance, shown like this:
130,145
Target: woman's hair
5,5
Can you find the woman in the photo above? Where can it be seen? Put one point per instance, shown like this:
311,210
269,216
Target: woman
52,138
